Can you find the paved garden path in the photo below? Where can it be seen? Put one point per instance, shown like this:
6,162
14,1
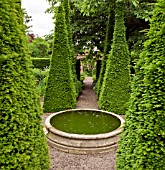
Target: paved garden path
66,161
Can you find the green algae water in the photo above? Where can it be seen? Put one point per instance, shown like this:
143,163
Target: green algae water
85,122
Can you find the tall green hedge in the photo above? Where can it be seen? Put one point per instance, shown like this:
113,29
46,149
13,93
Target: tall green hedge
22,140
115,90
60,91
69,29
142,144
78,69
41,63
39,48
107,47
77,83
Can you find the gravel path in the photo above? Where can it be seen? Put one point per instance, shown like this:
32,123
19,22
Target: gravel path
87,98
67,161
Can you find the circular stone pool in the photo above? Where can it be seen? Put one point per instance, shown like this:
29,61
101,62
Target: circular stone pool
83,131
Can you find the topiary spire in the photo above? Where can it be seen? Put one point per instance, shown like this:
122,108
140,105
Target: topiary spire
77,84
22,140
142,141
69,29
107,47
115,90
60,92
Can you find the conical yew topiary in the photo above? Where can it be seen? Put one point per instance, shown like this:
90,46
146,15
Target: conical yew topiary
115,89
68,26
77,84
60,92
22,140
142,141
107,48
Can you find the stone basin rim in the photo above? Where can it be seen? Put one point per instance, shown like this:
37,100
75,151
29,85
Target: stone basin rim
50,128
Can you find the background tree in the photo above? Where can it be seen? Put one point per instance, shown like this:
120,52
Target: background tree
60,92
49,39
137,24
22,140
115,89
27,20
39,48
142,141
87,30
89,18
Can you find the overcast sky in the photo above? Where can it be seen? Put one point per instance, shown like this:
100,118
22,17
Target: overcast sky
42,22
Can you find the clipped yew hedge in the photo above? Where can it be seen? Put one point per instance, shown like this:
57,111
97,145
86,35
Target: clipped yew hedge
77,83
115,91
22,140
60,92
69,29
107,48
78,69
41,63
142,141
98,68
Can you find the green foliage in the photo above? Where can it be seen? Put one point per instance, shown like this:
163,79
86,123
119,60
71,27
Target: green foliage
97,69
138,27
115,90
77,83
39,48
69,29
27,19
22,140
142,141
145,10
109,29
135,42
107,47
89,18
94,6
41,79
90,30
82,77
41,63
60,92
89,62
49,39
78,69
86,28
91,7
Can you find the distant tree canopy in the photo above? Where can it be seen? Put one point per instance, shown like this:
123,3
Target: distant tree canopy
89,19
39,48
